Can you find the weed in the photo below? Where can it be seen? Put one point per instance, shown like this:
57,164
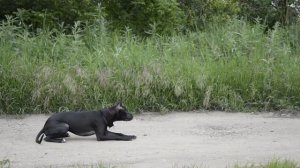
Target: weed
5,163
276,163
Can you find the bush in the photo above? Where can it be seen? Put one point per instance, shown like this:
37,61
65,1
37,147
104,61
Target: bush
144,16
50,13
200,12
254,9
270,11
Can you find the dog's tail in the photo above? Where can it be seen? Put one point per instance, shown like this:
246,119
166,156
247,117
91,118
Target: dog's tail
40,136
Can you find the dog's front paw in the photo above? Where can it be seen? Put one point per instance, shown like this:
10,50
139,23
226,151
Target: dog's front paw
132,137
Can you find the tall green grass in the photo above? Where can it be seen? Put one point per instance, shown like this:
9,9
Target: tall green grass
233,66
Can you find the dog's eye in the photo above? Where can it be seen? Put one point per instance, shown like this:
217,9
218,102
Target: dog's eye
122,112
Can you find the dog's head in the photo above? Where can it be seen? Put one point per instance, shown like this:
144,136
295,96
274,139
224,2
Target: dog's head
120,113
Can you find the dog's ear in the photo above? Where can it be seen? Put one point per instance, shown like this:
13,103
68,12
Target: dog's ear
119,106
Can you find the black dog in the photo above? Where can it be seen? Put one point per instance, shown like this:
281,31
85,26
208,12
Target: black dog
85,124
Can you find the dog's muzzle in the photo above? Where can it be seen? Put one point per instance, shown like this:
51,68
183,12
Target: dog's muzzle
129,117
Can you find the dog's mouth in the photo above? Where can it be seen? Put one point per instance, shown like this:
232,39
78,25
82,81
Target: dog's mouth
128,118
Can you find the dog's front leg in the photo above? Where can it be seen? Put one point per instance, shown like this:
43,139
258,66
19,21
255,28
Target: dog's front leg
122,135
104,135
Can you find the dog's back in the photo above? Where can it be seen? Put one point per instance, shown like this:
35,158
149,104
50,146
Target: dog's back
78,122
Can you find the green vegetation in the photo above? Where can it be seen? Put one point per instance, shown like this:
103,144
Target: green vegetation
163,16
5,163
230,66
276,163
142,16
98,165
49,13
153,54
272,164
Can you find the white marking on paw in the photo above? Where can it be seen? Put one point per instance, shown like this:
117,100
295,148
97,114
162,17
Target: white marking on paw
63,140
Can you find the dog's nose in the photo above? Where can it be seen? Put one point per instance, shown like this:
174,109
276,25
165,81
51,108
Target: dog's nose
130,116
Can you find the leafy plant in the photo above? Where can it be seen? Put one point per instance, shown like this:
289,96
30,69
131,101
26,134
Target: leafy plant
50,13
199,13
144,16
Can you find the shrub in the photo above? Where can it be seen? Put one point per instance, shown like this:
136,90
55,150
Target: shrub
49,13
200,12
144,16
270,11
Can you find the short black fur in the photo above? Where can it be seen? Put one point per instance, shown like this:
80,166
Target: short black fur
85,124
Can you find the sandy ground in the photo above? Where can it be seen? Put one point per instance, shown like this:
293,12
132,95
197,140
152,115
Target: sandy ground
213,139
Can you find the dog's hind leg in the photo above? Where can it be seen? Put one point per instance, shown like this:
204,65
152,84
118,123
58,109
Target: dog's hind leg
56,132
57,140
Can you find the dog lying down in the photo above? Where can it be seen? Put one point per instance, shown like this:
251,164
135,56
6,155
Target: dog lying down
85,124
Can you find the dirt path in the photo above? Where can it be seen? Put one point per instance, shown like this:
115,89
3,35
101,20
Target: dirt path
213,139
